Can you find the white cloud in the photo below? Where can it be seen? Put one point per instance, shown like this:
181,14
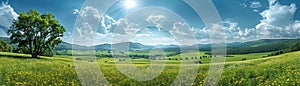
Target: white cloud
255,4
87,33
187,35
181,29
126,31
278,21
108,23
76,11
200,33
7,15
86,25
157,20
231,31
126,27
279,15
90,11
88,29
234,33
103,38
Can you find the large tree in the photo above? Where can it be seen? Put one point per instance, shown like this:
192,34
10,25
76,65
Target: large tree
36,34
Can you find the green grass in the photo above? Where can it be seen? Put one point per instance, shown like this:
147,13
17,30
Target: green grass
36,72
14,55
94,52
60,70
247,56
277,70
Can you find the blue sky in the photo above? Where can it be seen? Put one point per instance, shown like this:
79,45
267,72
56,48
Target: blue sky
243,20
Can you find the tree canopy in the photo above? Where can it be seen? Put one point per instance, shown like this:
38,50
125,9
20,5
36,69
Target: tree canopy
36,34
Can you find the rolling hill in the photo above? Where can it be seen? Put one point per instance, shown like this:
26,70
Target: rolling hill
262,45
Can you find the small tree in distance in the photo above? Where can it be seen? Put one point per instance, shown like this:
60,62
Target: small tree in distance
36,34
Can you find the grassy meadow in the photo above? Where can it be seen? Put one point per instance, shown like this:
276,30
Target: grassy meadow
60,70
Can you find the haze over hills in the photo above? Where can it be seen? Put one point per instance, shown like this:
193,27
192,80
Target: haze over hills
262,45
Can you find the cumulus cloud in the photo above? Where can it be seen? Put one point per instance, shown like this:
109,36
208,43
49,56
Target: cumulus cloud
86,25
126,27
90,12
279,15
7,15
200,33
180,28
278,21
183,34
125,31
231,31
108,23
88,32
157,20
235,33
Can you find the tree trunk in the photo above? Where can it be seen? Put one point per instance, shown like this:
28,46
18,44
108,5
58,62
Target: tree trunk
34,55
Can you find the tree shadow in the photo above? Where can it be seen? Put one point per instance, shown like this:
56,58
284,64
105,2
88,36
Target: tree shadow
19,56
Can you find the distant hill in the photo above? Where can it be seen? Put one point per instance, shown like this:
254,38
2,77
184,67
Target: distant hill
8,41
5,39
263,45
61,46
103,47
131,46
68,46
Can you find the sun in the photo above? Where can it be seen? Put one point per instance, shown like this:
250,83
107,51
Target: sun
130,4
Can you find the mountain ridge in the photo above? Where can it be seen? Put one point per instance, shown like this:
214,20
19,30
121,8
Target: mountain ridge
261,45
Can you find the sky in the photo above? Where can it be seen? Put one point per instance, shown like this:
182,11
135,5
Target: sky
156,22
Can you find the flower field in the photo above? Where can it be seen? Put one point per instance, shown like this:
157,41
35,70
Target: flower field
60,71
36,72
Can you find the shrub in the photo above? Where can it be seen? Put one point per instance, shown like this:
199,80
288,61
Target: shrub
243,59
198,62
186,58
5,47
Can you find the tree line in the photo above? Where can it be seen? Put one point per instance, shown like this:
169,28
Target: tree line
293,48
